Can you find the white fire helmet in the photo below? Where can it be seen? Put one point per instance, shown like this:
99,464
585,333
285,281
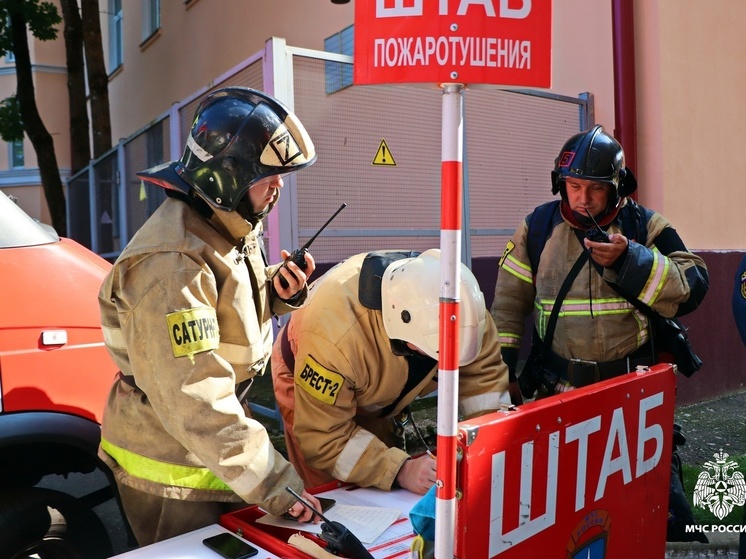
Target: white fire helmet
410,293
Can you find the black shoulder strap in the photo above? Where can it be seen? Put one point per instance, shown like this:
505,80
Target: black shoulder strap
634,221
541,222
571,275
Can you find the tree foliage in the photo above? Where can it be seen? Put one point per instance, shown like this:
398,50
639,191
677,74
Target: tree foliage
11,125
41,17
17,18
19,114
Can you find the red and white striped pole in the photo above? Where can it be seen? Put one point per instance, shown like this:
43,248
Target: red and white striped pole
448,342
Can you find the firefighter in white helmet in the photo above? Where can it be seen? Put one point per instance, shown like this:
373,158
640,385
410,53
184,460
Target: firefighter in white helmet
186,313
362,348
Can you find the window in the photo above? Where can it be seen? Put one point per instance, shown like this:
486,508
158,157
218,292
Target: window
10,56
151,18
15,157
154,195
116,54
339,74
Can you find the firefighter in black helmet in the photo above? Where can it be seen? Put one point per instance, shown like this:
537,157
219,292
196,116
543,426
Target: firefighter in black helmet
594,155
186,313
630,250
239,136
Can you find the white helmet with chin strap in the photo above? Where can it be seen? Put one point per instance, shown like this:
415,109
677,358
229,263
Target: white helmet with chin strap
410,294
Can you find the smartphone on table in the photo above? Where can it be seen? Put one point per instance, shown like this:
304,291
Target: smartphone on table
229,546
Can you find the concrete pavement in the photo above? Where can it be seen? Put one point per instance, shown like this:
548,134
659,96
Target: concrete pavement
720,546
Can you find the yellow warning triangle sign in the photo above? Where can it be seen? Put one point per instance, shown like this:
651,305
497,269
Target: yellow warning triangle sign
383,156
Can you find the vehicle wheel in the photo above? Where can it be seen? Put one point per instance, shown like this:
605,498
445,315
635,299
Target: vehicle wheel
47,524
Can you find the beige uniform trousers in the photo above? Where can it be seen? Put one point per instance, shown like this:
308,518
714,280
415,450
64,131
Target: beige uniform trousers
154,518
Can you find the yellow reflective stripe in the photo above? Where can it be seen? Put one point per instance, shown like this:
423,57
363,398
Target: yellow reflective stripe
541,320
657,278
544,308
509,340
642,327
518,269
584,307
163,473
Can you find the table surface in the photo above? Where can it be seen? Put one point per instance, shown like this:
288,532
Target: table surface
187,546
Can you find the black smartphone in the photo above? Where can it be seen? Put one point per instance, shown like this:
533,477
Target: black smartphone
326,504
229,546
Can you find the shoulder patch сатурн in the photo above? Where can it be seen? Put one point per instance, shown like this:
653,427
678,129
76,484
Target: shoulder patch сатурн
193,331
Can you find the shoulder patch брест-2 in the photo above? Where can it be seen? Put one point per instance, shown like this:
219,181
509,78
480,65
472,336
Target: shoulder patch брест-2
319,382
193,331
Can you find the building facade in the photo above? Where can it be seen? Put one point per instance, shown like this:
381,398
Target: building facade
684,86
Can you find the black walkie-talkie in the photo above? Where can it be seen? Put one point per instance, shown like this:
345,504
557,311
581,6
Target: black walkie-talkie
299,255
596,234
337,537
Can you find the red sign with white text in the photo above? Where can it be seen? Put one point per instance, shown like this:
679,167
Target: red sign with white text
580,475
499,42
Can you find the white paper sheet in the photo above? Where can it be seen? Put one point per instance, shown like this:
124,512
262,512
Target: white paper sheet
395,540
367,523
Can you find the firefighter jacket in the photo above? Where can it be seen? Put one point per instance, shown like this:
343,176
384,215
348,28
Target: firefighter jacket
186,317
595,322
349,382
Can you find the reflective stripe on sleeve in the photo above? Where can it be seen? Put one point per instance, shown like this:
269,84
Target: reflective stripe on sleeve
113,337
518,269
163,473
234,353
509,340
481,403
350,455
657,278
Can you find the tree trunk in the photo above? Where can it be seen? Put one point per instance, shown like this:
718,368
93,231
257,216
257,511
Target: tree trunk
98,79
98,87
40,138
80,143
